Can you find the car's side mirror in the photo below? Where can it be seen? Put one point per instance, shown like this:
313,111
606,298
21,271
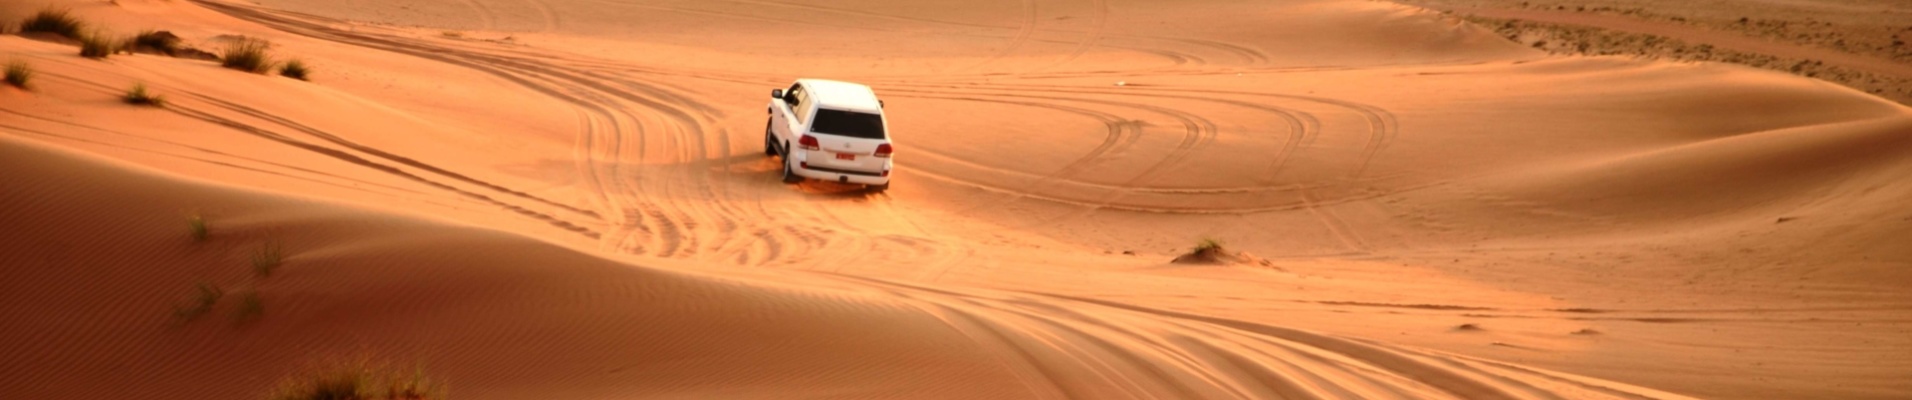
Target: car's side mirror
879,104
776,93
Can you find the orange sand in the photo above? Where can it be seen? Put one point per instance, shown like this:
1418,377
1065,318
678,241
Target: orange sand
566,199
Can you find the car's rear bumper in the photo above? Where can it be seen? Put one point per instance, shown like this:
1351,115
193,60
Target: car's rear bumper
842,176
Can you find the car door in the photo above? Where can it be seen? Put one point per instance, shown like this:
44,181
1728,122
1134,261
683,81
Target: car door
781,110
799,112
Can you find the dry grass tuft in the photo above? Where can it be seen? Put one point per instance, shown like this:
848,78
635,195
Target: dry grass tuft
19,74
196,224
250,307
267,259
247,55
55,21
161,42
296,69
1207,251
97,45
360,381
139,97
207,296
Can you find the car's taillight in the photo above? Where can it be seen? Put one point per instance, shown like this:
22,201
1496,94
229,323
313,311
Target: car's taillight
808,143
884,150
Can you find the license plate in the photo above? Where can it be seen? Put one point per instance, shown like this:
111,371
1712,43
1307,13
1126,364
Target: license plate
846,156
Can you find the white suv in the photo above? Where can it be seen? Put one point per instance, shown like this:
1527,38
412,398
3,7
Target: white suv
829,130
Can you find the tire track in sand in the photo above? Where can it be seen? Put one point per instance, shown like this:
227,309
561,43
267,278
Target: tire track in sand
599,106
1300,126
1197,131
401,160
227,162
1095,35
1026,27
1383,125
488,19
1112,349
1099,16
187,109
546,15
1113,140
189,112
356,183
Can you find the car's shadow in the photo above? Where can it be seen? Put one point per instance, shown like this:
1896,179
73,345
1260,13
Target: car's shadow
770,169
833,189
749,170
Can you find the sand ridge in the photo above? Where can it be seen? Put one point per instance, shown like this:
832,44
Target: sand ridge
542,199
513,317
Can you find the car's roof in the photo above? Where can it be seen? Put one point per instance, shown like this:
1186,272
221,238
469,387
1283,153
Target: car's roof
842,95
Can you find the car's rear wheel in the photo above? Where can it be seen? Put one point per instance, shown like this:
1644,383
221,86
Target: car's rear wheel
769,140
790,172
879,188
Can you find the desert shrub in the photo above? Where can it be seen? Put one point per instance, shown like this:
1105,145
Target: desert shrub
54,21
156,41
1207,251
139,96
207,296
295,69
341,384
250,307
265,260
96,45
196,225
1208,244
412,386
360,382
19,74
247,55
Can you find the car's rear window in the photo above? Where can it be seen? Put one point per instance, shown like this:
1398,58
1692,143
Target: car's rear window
847,123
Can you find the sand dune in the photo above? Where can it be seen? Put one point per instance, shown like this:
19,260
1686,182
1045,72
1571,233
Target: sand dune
567,199
512,317
1708,37
1858,44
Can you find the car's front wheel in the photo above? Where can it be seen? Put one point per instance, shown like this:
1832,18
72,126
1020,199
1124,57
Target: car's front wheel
790,171
769,140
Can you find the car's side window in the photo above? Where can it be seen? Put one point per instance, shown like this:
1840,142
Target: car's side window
803,105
